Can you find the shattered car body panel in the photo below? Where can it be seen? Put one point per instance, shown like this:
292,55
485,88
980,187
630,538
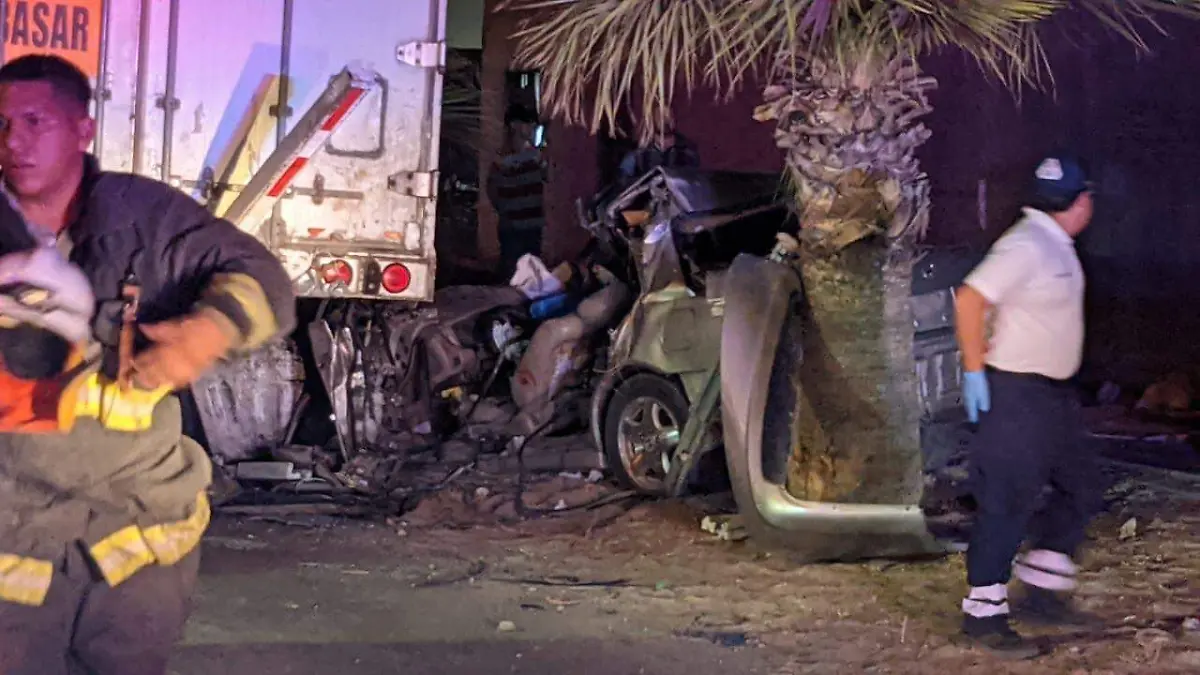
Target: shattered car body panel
557,355
673,328
935,276
939,368
678,328
686,238
671,332
761,304
334,354
406,380
762,332
700,193
396,374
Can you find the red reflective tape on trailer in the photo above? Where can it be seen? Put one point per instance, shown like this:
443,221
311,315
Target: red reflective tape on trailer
284,180
343,108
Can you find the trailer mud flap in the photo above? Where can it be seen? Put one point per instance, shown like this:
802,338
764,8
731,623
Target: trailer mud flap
760,351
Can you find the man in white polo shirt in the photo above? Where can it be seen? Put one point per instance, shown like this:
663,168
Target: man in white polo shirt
1030,433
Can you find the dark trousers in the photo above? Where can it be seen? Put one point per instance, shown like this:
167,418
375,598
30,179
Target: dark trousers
87,627
1033,437
514,244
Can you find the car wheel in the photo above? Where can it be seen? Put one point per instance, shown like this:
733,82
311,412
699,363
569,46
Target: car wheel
642,424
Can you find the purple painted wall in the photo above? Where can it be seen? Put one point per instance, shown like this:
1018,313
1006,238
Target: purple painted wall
1130,114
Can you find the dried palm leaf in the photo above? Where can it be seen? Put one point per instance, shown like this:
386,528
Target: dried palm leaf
597,55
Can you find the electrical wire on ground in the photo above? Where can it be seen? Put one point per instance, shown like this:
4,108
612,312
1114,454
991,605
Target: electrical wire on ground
524,511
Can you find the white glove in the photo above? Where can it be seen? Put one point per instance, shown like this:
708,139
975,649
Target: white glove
41,288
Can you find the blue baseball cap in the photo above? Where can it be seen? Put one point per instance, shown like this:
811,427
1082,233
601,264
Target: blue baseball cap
1060,178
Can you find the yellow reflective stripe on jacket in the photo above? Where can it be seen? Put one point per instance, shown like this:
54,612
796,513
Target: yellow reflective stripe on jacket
245,291
25,581
120,555
171,542
116,408
123,553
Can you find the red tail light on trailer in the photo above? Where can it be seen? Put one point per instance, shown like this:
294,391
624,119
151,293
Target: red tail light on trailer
396,278
337,271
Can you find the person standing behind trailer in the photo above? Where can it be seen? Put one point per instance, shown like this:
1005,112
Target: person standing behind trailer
1030,431
515,186
100,522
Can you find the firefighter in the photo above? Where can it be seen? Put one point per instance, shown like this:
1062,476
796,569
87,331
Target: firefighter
1030,434
100,521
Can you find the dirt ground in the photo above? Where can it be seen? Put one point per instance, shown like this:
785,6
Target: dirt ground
643,590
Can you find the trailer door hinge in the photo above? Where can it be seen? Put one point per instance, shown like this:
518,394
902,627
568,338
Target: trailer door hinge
422,54
419,184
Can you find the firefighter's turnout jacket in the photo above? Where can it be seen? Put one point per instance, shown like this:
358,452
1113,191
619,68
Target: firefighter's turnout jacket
132,499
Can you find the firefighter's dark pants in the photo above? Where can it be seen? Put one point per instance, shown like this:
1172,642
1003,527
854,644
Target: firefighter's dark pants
86,627
1033,437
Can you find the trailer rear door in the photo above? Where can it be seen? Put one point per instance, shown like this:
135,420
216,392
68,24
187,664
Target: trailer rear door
189,93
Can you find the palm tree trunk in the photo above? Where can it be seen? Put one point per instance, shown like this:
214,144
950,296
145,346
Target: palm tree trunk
857,437
850,131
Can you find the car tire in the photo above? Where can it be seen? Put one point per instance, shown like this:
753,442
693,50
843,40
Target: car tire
642,406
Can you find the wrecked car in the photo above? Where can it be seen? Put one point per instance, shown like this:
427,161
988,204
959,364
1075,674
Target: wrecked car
663,339
681,229
500,363
690,366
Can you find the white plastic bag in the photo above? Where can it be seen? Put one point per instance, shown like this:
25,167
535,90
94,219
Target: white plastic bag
533,279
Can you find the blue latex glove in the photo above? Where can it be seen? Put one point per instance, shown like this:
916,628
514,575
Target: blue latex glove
977,397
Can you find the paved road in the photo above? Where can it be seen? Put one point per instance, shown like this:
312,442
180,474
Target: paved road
560,657
269,606
345,598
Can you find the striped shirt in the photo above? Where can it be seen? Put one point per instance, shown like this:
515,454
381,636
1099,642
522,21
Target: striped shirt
517,190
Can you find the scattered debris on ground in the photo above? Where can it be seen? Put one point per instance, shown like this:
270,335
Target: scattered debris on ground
458,484
660,567
724,527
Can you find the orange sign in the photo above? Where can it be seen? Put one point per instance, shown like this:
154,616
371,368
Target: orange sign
67,28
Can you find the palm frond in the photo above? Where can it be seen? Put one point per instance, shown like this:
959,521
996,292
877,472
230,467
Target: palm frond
598,55
992,31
